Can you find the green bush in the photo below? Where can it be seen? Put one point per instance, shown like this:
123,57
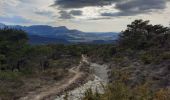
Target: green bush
165,56
5,95
146,58
9,75
118,59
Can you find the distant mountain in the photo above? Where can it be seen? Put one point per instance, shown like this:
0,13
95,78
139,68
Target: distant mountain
47,34
2,25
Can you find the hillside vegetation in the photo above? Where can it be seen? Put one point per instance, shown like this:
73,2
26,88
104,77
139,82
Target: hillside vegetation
140,64
25,68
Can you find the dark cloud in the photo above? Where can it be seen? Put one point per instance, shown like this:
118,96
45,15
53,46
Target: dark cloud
118,14
70,14
76,12
141,5
126,7
82,3
65,15
134,7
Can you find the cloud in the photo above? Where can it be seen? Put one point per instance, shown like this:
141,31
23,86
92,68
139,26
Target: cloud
27,11
82,3
76,12
125,7
69,14
141,5
134,7
14,20
65,15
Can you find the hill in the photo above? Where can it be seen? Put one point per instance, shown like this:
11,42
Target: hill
63,35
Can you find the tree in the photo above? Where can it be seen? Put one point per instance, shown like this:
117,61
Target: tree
141,35
12,43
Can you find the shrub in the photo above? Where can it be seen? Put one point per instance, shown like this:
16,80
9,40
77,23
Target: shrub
118,59
90,95
9,75
165,55
146,58
142,92
162,94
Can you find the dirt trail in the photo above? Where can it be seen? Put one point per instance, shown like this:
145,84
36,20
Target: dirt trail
57,88
100,77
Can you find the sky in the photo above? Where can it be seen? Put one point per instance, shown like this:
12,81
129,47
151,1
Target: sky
84,15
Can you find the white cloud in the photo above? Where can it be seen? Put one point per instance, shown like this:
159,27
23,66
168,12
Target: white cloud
27,8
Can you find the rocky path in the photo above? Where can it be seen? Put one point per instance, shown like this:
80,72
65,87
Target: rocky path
100,79
50,92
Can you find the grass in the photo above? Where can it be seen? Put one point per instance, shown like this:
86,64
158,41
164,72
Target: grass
9,75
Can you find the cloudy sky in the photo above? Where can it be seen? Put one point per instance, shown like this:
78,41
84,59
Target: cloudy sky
84,15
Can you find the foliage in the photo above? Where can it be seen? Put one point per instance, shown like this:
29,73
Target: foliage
162,94
147,58
140,44
141,35
90,95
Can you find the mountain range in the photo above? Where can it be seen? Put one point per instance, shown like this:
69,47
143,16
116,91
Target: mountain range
44,34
